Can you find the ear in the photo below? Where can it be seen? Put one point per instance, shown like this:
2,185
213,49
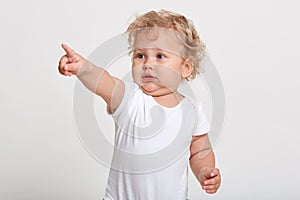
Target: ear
187,69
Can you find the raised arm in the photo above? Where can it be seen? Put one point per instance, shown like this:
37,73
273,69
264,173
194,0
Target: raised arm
96,79
202,162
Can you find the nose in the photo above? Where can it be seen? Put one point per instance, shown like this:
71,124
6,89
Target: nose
147,67
148,64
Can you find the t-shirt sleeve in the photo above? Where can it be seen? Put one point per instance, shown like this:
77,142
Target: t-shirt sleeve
203,125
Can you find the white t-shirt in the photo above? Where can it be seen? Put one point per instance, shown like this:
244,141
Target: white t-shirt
151,154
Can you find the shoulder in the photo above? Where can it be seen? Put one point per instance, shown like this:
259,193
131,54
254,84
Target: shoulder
192,104
130,88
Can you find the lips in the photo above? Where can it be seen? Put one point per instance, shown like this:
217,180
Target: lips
148,78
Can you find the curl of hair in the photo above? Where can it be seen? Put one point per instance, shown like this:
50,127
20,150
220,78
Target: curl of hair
194,48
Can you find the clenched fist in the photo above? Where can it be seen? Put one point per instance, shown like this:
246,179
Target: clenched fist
210,180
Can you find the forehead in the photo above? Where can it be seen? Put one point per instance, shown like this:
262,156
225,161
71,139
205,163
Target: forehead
158,38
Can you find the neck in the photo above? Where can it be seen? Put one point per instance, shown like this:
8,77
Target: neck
169,100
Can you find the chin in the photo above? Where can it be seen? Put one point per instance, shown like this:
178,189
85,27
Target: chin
149,87
155,90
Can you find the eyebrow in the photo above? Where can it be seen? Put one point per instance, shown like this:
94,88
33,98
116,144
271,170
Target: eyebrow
158,49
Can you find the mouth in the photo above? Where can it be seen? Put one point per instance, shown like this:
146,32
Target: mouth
148,78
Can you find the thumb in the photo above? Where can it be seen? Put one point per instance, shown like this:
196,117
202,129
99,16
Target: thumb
208,173
212,172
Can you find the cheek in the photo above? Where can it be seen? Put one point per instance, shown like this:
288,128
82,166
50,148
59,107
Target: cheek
168,72
136,74
137,62
169,77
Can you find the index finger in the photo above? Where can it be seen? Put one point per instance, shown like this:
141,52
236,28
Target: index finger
68,50
213,181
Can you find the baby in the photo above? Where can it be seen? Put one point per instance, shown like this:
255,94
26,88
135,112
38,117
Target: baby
158,130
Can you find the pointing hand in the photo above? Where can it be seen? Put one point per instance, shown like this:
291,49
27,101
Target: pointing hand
71,62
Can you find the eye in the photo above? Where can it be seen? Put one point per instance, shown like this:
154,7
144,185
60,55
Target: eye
160,56
140,56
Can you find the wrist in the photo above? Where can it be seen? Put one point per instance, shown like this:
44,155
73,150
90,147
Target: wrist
84,68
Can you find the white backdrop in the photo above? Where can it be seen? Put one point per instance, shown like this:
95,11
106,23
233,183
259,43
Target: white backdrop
254,44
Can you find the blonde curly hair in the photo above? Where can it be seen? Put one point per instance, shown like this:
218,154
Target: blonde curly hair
194,48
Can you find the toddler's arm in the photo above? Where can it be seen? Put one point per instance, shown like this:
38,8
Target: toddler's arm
202,162
96,79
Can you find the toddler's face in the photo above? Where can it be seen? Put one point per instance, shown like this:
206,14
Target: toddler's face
157,65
